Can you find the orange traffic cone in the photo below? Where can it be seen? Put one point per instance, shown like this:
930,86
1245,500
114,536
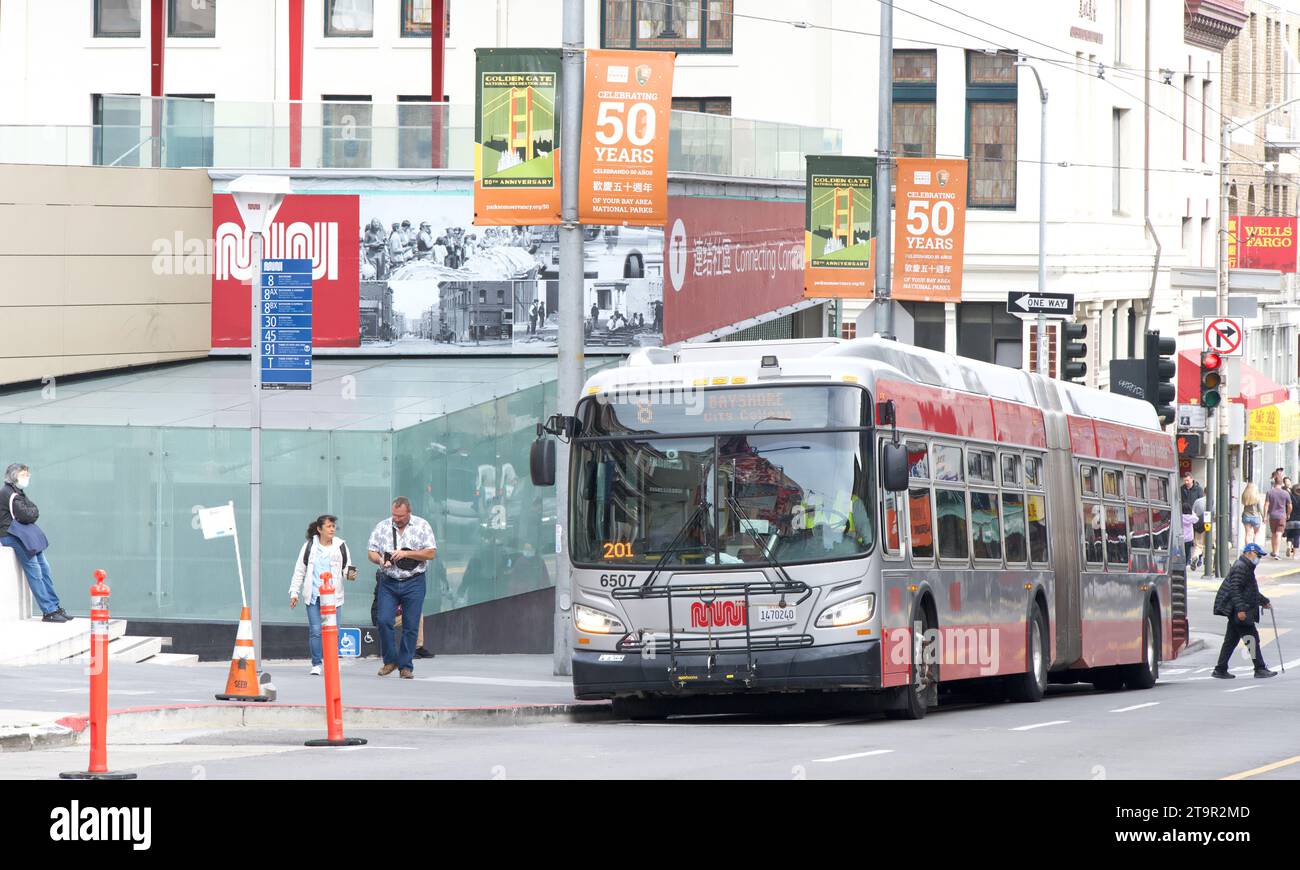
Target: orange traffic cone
242,684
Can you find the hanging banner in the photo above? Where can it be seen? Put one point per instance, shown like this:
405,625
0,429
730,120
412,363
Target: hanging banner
929,229
624,178
516,137
839,231
1262,243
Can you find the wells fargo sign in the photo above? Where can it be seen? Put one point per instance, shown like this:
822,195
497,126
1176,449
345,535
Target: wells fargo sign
1262,243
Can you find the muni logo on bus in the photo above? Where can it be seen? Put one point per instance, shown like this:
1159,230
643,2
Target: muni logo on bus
719,614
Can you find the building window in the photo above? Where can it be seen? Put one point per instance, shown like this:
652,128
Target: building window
991,129
117,18
849,329
417,18
677,25
914,101
1119,32
987,333
349,17
192,19
117,131
414,132
703,105
345,132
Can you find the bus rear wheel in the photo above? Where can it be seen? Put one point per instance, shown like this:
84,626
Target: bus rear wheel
1144,674
1030,686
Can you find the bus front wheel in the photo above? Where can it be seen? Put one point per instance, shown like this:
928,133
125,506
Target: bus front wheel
922,691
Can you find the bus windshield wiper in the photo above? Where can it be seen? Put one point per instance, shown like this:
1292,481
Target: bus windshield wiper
769,551
672,547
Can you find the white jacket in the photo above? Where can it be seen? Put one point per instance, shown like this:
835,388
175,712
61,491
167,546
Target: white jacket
337,568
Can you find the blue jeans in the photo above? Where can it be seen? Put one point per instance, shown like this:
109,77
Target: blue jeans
410,594
313,632
38,574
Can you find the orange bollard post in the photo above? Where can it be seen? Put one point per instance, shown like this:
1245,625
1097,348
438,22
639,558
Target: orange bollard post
329,638
98,688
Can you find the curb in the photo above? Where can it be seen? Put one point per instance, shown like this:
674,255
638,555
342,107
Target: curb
133,722
1194,645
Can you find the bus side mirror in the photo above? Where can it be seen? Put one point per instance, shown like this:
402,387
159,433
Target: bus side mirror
541,462
894,467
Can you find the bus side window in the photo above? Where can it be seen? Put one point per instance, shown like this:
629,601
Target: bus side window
922,525
1088,479
1036,509
1013,523
1161,524
1116,539
890,524
1094,534
950,506
986,536
1139,523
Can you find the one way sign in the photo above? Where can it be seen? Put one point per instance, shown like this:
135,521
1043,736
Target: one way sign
1050,304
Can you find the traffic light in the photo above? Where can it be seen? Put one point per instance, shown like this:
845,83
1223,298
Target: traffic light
1190,444
1160,371
1074,349
1211,379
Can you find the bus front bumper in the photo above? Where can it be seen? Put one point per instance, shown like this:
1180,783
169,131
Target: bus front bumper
599,675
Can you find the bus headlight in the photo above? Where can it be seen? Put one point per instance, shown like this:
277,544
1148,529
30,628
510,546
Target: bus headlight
849,612
596,621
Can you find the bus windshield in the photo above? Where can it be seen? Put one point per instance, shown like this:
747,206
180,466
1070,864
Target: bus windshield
726,497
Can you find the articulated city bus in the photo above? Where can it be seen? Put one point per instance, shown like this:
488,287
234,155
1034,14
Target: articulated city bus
826,515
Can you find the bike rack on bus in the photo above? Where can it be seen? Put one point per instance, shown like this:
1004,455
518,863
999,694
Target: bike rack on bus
708,593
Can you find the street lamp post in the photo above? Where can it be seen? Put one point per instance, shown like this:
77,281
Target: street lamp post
1042,216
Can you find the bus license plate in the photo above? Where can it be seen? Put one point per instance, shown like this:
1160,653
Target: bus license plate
772,615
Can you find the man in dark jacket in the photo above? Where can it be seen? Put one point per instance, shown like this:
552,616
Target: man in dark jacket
1239,600
17,478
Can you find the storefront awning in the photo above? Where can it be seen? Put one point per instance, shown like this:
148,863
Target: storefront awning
1274,424
1257,389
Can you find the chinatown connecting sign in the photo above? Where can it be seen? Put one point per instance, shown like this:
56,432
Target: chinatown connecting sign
1262,243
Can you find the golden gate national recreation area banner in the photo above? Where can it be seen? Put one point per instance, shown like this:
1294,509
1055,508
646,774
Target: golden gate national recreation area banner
839,228
626,105
517,137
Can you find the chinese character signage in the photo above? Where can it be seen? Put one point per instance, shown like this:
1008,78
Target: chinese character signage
1262,243
624,177
517,137
839,234
929,229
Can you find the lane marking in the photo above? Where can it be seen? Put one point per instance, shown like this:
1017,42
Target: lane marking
1295,759
1242,689
1174,672
1136,707
853,755
1042,725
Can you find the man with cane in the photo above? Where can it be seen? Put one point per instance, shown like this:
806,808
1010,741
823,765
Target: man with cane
1239,599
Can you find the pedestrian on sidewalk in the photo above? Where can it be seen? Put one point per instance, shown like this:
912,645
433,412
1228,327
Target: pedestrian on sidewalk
402,546
18,515
323,552
1252,513
1190,492
1239,599
1293,522
1199,530
1279,509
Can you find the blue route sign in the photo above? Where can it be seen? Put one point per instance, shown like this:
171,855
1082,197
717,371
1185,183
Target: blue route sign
285,328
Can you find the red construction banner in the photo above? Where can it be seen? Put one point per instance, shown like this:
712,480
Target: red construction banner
322,228
727,260
1262,243
929,229
624,177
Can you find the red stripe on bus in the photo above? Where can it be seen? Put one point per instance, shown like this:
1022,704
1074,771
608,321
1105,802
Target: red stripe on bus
1019,424
941,411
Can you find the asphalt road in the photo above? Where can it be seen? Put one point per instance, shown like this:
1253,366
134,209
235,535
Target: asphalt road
1188,727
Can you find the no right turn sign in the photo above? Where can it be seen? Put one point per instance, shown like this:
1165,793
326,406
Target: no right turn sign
1223,335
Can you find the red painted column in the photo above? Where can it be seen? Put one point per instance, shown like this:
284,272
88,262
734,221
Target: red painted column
157,48
437,44
296,34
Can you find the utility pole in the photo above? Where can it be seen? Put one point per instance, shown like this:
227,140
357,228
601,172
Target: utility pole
884,303
1041,329
570,340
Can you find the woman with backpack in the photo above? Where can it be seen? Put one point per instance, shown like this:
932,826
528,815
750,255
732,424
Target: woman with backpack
323,552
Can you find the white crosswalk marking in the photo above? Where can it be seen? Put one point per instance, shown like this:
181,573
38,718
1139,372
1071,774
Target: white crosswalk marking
1042,725
853,755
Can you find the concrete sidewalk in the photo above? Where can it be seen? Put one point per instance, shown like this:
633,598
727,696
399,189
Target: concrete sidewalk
45,705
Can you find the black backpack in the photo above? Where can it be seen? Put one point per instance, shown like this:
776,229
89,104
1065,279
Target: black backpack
343,548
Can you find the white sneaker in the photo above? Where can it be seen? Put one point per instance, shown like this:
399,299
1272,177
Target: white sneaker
315,670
